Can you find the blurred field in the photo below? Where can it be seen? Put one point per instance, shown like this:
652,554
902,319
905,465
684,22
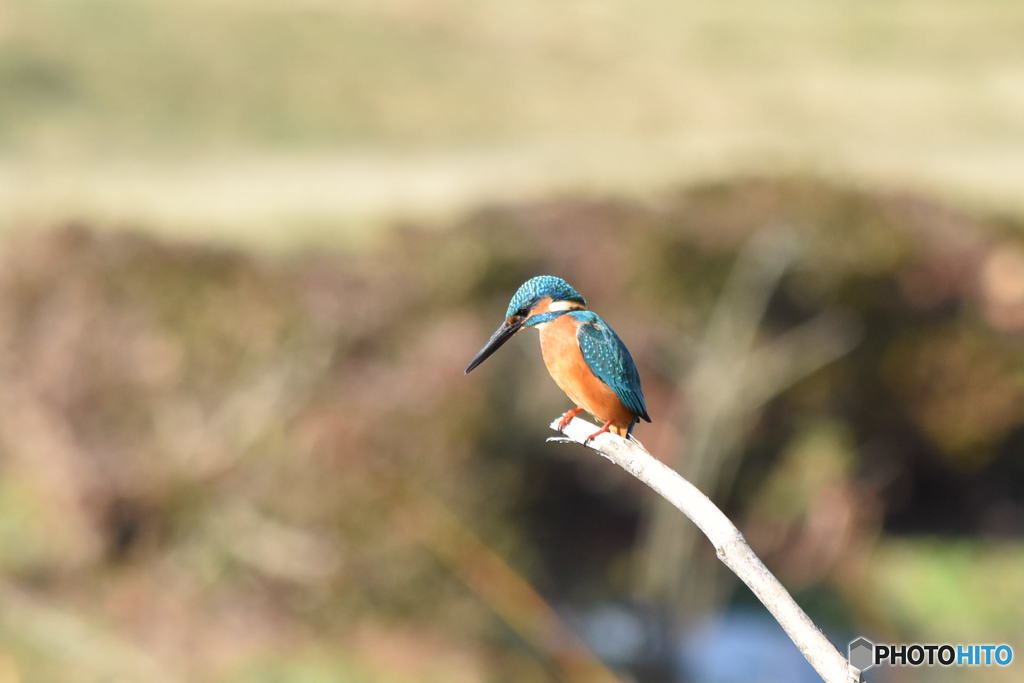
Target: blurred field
287,123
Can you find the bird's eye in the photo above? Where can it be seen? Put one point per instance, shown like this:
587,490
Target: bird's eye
522,312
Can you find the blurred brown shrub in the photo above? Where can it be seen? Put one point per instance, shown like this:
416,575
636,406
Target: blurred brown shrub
213,456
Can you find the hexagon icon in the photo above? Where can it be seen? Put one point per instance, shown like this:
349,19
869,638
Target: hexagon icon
861,653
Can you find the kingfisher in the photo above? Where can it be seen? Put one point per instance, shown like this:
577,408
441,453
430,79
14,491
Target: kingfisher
583,354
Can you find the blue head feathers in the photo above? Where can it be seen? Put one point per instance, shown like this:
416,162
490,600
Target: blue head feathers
536,288
529,293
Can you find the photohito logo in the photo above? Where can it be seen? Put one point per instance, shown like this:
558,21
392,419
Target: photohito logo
864,654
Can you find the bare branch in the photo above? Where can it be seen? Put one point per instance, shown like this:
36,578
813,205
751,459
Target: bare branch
731,547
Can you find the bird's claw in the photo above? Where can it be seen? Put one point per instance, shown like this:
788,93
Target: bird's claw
567,417
599,432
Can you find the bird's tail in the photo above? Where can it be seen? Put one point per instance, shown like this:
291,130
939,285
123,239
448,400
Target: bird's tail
630,437
638,443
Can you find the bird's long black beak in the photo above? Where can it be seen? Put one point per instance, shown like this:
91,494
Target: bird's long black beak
501,335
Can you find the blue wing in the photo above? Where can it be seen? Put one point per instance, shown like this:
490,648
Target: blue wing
609,359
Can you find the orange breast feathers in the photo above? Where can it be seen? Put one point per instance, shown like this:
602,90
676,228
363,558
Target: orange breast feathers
565,362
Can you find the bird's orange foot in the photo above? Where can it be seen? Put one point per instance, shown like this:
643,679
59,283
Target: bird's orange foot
602,430
567,417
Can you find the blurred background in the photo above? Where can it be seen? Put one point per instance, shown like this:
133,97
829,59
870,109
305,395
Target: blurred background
247,248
